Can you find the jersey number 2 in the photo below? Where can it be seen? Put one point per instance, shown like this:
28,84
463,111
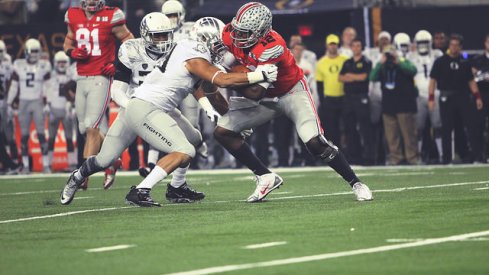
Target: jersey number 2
83,36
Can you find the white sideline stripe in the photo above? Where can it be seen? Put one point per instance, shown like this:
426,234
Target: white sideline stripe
281,193
83,198
55,191
277,170
482,188
263,245
275,198
418,240
110,248
226,268
64,214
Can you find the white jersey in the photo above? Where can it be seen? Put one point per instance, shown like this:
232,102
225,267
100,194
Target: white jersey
56,90
423,64
167,85
374,55
5,73
31,78
134,56
183,32
345,52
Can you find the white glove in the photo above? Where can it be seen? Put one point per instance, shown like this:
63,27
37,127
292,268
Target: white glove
211,113
269,71
46,110
246,133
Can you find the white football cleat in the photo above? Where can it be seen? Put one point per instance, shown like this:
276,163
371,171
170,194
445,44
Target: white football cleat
264,185
362,192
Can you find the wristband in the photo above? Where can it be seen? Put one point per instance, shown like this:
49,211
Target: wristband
255,77
68,52
431,97
214,76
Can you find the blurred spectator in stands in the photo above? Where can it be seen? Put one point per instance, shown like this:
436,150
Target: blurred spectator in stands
330,89
306,54
349,33
12,12
440,41
452,75
402,41
354,75
480,67
375,95
396,76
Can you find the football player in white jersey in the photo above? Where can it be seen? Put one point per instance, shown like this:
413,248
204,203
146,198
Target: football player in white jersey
423,58
152,110
59,106
402,42
27,81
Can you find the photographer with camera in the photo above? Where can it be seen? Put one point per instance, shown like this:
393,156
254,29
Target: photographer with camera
399,94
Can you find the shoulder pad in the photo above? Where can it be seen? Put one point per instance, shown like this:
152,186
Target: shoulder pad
271,53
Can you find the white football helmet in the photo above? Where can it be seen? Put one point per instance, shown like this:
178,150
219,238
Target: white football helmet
92,5
32,50
423,40
402,42
208,30
157,31
3,49
61,62
252,22
175,11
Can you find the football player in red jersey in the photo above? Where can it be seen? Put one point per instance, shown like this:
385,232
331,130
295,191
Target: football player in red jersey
93,29
252,41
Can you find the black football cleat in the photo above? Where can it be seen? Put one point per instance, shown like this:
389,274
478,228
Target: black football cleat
140,197
183,194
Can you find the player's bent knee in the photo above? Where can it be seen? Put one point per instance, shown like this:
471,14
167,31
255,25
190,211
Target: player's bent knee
103,160
320,147
221,134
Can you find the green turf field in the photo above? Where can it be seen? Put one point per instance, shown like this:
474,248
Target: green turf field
314,213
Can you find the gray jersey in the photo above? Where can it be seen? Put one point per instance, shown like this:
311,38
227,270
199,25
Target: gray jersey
55,90
183,32
167,85
5,73
31,78
134,56
423,64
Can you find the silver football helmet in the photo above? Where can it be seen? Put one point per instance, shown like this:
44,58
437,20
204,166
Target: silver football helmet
252,22
402,42
175,11
61,62
157,31
423,40
92,5
32,50
208,30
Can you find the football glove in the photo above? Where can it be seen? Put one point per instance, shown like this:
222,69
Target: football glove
79,53
109,69
269,72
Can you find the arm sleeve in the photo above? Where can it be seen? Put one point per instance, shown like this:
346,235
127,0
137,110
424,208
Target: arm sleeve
118,18
407,67
375,73
118,93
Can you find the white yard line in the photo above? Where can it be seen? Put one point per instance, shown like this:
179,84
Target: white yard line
110,248
263,245
319,257
418,240
274,198
482,188
84,198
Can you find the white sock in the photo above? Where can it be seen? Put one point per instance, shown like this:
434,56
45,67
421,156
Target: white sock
50,157
178,178
439,147
157,175
71,158
45,161
25,162
420,145
153,156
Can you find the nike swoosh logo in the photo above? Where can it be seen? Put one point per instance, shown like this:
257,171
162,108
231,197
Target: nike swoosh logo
263,191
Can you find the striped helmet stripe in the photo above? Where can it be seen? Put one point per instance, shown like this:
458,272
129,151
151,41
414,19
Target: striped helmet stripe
246,7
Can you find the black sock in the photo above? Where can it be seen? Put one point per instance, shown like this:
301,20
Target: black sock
342,167
246,156
90,167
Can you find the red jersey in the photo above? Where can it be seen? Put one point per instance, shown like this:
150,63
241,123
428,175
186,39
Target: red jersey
271,49
95,34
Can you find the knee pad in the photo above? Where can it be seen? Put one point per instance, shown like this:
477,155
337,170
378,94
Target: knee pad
320,147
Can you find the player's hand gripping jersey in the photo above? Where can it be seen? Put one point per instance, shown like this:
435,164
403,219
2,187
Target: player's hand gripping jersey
271,49
95,35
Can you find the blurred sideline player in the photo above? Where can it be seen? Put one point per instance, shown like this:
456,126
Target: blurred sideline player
59,106
93,30
8,164
252,41
153,115
423,58
27,81
402,43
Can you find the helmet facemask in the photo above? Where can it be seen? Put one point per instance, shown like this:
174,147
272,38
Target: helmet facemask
159,42
61,66
33,54
244,38
423,47
92,5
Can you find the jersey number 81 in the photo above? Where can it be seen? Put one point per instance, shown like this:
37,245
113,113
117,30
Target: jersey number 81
83,40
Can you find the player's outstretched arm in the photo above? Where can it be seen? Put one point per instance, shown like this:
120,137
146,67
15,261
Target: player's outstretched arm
208,72
69,42
209,92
